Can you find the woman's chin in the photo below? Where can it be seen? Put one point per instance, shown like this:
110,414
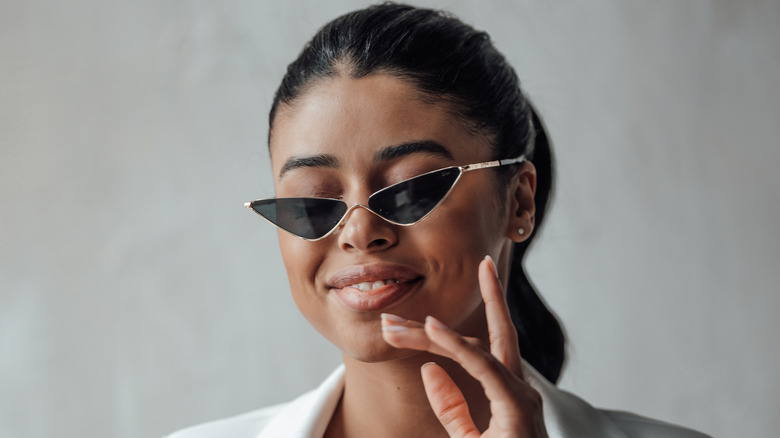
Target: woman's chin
359,337
374,351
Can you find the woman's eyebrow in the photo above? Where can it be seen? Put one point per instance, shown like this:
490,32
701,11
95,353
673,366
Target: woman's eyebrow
428,147
322,160
385,154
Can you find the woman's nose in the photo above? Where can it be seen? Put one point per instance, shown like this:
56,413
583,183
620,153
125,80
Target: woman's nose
363,230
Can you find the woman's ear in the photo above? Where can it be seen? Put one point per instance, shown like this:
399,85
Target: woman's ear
522,208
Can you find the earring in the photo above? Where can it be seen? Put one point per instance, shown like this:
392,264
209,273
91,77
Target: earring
521,231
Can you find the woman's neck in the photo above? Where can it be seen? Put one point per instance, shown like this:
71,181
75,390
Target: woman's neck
387,399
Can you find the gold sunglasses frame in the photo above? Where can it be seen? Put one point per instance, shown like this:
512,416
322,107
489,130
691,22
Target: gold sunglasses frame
342,221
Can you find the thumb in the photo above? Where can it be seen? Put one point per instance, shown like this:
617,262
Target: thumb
447,402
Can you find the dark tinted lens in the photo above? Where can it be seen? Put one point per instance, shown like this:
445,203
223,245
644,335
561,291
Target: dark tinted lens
410,200
310,218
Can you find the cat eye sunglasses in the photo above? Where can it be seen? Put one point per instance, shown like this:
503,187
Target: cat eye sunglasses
404,203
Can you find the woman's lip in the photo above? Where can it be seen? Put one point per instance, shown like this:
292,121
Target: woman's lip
352,275
374,299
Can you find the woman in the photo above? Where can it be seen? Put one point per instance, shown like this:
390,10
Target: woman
411,175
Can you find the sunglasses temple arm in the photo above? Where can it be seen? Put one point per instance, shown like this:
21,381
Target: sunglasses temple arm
496,163
508,161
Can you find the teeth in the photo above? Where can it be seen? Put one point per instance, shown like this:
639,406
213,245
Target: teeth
366,286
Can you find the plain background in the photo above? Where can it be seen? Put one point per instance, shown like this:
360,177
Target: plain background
138,296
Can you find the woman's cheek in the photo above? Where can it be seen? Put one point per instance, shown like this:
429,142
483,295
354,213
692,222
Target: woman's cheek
301,261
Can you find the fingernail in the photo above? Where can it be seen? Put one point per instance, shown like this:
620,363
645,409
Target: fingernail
426,364
394,328
435,323
492,265
389,317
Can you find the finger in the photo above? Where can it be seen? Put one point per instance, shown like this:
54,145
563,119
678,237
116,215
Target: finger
503,335
403,333
514,405
480,364
447,402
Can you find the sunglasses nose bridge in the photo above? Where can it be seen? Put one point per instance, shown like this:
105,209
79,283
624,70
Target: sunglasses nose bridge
349,211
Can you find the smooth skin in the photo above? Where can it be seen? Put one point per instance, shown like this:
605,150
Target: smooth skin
337,129
516,408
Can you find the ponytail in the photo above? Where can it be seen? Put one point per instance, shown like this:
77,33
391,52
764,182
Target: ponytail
540,336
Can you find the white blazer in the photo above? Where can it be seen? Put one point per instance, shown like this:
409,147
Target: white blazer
565,415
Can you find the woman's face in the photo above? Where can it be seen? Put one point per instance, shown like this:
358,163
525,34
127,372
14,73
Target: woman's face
347,138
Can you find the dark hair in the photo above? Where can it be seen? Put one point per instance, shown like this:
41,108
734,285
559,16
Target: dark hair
448,60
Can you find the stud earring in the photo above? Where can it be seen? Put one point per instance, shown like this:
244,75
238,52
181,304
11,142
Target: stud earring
521,231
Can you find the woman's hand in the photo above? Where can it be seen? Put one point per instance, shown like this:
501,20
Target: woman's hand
515,407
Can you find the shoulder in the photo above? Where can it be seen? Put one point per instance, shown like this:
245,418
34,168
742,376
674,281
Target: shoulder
567,415
637,426
306,416
246,425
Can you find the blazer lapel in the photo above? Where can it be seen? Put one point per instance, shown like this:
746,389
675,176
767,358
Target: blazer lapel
308,415
568,416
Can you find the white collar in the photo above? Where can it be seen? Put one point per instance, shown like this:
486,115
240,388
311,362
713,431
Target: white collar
565,414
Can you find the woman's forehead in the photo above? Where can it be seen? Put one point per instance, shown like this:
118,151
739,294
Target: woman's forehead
357,118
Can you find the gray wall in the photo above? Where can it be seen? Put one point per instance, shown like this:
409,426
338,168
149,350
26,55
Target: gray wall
137,296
